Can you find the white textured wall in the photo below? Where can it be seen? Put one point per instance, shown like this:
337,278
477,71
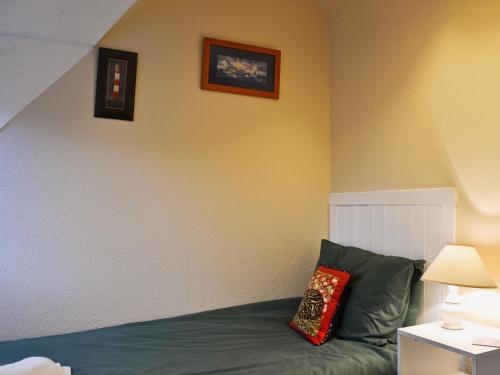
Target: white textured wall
205,200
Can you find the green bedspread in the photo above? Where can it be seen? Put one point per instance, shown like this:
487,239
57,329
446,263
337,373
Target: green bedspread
248,339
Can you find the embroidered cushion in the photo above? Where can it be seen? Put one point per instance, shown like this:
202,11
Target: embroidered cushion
319,310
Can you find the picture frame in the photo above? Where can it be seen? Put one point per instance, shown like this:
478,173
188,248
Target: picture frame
240,68
115,84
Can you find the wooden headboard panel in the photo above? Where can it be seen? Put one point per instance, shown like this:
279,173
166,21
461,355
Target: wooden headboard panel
414,224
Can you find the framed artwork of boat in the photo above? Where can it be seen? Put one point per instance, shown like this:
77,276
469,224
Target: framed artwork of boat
240,68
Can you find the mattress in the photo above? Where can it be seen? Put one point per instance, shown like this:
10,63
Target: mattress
247,339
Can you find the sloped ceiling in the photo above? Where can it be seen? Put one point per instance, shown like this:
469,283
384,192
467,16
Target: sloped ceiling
40,40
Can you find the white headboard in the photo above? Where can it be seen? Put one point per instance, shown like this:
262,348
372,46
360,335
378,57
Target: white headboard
414,224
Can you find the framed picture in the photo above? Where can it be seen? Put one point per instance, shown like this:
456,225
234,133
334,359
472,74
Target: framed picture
240,68
115,87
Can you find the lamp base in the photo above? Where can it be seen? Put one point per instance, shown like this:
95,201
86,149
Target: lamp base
452,310
452,326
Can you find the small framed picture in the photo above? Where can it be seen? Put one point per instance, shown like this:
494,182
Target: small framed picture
115,86
240,68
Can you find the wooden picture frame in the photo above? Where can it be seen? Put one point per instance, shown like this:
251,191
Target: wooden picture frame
115,86
240,68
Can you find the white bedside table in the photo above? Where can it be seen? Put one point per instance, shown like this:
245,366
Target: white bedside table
431,350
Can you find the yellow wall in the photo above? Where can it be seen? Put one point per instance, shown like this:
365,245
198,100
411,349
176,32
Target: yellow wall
205,200
416,103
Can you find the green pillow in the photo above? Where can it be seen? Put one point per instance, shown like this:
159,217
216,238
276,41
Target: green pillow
416,294
378,294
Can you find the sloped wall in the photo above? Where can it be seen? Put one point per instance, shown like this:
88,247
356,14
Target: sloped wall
415,103
42,40
205,200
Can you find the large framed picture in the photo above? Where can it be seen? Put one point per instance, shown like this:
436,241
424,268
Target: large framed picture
115,86
240,68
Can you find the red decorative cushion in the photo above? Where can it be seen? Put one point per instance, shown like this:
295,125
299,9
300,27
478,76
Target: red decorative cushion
318,311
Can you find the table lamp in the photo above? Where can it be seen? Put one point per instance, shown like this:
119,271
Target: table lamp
457,265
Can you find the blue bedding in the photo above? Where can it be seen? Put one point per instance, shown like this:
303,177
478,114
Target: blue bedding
247,339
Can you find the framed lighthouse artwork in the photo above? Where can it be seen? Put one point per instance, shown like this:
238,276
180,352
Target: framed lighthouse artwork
115,86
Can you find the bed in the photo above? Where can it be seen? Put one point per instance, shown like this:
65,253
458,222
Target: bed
254,338
248,339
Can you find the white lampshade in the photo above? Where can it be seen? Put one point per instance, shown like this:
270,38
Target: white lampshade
460,266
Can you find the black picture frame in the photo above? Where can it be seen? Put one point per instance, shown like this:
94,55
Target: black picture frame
115,84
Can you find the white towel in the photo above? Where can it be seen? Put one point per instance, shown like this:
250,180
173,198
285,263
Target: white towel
35,366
